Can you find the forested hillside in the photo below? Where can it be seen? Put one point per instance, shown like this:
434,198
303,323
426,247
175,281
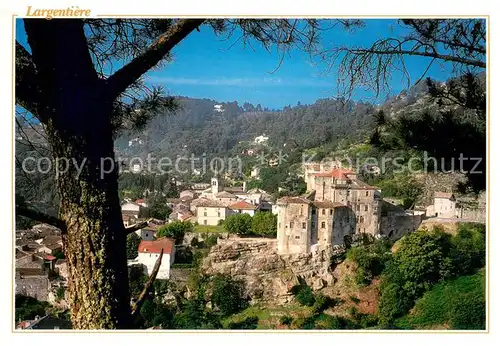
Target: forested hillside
196,127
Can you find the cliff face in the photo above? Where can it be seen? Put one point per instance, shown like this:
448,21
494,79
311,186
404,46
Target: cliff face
267,275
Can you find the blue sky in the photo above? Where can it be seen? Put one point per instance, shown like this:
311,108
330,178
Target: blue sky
205,66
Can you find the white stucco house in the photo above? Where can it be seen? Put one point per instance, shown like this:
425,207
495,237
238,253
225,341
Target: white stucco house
148,253
242,207
261,139
444,205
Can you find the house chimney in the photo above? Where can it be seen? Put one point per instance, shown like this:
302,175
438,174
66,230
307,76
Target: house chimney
244,186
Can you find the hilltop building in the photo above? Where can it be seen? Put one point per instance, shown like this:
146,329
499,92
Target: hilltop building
338,204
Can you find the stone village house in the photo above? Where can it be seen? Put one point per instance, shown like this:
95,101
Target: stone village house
148,253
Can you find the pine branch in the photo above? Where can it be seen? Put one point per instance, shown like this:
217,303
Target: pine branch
147,287
129,73
27,89
39,216
443,57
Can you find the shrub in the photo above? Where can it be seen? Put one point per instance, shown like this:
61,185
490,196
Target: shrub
354,299
425,258
238,224
321,302
211,240
27,308
304,295
265,224
60,293
248,323
133,241
308,322
227,294
286,320
175,230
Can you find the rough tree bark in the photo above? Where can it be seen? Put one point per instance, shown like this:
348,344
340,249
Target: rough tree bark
58,83
76,113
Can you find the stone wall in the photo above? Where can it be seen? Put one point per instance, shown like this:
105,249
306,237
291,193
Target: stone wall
33,286
478,215
201,236
395,226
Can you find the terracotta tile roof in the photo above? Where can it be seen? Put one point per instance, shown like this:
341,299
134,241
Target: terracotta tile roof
447,195
155,246
242,205
336,173
140,200
50,257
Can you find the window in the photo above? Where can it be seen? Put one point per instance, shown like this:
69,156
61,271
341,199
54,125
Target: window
361,219
313,212
297,237
291,224
367,193
218,213
358,207
366,207
323,224
204,222
303,225
323,211
205,214
331,211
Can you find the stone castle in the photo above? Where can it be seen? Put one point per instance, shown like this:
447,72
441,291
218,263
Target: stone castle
337,204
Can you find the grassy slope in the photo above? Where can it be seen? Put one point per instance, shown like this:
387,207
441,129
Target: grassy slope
456,304
208,229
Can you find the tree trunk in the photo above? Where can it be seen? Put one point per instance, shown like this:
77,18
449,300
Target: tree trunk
76,109
95,241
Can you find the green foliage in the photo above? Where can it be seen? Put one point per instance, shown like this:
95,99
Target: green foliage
370,260
133,185
459,303
175,230
27,308
423,259
321,302
249,322
58,254
307,322
265,224
238,224
444,132
136,279
286,320
60,293
228,294
403,186
211,240
304,295
158,208
133,241
154,313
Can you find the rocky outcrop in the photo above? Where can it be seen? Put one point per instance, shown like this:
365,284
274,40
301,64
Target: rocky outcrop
267,275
